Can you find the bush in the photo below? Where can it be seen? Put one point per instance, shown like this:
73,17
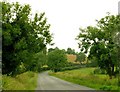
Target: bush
99,71
71,66
104,87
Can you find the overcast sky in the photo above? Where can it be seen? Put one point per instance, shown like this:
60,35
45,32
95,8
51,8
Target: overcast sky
67,16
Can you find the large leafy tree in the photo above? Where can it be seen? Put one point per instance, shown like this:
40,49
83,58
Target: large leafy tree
56,59
100,42
22,36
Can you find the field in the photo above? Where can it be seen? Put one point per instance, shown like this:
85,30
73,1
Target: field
86,77
25,81
71,58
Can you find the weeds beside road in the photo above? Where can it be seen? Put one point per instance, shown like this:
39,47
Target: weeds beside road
25,81
86,77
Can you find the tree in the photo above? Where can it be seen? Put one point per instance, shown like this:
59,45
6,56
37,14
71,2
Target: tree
52,49
100,43
22,35
81,57
56,59
39,59
70,51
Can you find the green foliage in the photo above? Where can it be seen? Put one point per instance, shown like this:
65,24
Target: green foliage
81,57
99,71
86,77
70,51
108,88
22,35
25,81
39,59
100,42
50,49
56,59
71,66
92,62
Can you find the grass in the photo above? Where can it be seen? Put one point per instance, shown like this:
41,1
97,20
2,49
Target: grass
25,81
86,77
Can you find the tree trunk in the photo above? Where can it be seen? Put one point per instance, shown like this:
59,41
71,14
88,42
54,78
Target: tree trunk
109,72
113,70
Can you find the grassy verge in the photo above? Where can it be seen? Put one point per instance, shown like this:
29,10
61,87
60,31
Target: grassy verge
25,81
86,77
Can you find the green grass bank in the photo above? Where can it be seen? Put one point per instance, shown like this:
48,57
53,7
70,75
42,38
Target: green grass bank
24,81
86,77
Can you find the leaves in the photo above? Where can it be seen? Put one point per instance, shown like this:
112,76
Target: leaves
56,59
101,41
23,36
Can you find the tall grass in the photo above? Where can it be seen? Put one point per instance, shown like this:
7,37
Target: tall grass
25,81
86,77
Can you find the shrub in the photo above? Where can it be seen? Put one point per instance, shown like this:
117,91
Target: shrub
99,71
104,87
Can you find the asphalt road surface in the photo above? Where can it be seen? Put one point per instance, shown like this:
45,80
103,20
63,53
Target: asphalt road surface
47,82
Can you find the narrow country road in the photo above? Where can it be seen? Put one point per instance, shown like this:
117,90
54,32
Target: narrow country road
47,82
